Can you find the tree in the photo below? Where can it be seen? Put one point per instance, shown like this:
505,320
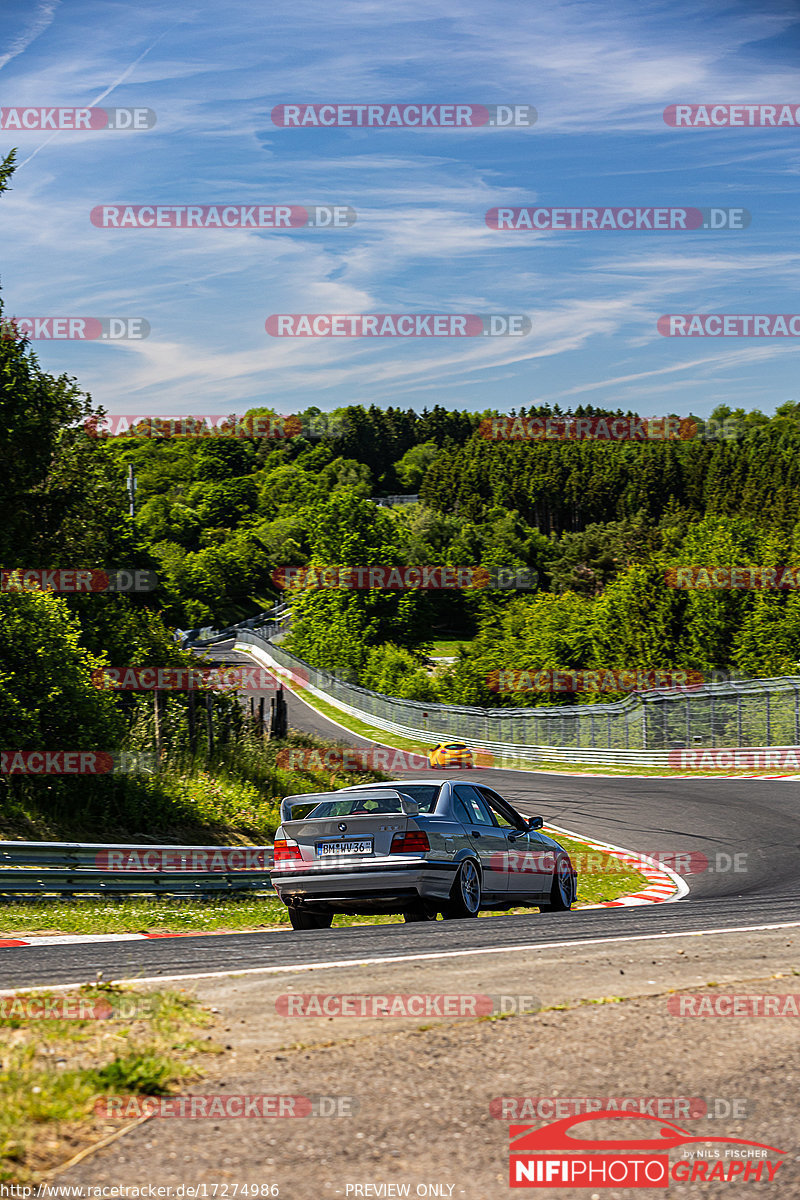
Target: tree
412,468
47,699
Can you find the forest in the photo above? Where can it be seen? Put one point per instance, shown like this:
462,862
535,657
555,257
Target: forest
600,525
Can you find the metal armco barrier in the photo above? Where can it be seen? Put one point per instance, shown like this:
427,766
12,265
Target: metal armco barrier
641,730
67,867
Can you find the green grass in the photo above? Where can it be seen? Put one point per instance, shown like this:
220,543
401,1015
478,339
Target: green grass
53,1071
607,879
448,647
232,799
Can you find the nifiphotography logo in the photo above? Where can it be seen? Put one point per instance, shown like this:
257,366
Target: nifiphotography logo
553,1157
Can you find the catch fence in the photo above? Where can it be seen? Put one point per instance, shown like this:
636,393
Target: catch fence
736,713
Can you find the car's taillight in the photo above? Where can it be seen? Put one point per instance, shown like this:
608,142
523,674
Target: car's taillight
286,851
415,840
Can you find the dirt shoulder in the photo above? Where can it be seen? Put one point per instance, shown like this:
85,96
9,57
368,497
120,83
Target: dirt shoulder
423,1089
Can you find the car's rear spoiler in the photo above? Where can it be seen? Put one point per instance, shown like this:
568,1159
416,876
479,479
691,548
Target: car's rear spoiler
290,803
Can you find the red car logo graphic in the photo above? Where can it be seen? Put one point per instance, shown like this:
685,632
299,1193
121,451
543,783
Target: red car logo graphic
526,1138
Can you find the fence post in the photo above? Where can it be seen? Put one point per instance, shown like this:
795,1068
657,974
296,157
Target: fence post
278,716
769,723
158,716
739,717
261,717
210,723
192,721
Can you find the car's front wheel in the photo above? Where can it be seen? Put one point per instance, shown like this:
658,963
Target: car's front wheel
301,918
465,895
562,892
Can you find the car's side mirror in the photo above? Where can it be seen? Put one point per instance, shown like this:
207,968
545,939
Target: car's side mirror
409,806
535,823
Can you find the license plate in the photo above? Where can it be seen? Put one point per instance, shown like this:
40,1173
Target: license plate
329,849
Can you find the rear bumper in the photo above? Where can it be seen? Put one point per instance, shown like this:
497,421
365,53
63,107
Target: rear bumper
371,887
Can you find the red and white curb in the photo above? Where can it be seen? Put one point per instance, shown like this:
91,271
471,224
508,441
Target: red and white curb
665,885
75,939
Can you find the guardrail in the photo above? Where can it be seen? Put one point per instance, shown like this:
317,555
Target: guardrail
28,868
269,623
641,730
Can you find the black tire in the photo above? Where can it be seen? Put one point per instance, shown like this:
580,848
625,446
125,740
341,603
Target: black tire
301,918
420,912
562,893
465,894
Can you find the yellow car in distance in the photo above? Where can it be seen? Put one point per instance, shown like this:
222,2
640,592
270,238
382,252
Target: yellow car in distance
451,754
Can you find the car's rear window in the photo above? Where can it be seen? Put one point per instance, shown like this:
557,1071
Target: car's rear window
425,794
455,746
346,807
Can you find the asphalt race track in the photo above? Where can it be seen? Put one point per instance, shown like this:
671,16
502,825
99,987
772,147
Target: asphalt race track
751,824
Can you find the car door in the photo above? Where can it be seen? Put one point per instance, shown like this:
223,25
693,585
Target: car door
530,866
488,839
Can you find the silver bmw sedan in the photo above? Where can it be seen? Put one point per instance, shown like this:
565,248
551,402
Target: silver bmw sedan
419,848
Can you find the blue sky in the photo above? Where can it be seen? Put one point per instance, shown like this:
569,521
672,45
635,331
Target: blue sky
599,78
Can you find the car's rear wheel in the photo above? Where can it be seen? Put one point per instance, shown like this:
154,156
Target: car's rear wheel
301,918
562,892
465,895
